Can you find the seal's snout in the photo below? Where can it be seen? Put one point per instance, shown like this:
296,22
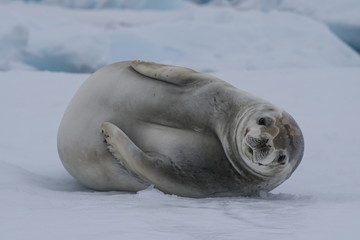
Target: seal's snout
260,149
264,143
256,142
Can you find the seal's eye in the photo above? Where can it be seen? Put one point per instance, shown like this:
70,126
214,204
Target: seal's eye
265,121
281,159
262,121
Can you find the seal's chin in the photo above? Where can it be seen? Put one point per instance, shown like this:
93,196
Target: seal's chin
270,142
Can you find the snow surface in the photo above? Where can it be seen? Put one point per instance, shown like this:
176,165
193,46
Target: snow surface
121,4
208,38
342,17
291,60
39,200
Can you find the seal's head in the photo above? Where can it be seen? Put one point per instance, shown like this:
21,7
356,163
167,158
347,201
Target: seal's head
269,142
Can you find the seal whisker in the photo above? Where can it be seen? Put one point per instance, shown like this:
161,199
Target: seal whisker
256,142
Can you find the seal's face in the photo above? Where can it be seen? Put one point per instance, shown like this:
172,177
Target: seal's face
269,141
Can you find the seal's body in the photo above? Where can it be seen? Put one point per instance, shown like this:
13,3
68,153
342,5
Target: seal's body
136,124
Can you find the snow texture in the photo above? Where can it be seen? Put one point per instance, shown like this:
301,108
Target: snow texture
293,61
342,17
121,4
39,200
50,38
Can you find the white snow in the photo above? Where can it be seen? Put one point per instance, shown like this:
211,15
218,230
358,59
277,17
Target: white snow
39,200
210,39
291,60
342,17
122,4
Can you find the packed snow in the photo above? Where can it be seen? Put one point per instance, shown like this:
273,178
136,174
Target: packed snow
39,200
121,4
292,60
342,17
207,38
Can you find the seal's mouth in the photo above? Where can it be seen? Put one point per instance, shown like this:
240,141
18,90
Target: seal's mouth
259,148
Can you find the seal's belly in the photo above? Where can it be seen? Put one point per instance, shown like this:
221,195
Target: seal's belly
187,148
199,155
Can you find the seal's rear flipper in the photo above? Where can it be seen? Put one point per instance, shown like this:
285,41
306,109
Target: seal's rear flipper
153,167
172,74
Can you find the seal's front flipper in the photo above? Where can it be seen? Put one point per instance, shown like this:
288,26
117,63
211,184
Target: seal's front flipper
172,74
153,167
120,145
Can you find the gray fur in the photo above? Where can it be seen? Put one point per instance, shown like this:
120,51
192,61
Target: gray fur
135,124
